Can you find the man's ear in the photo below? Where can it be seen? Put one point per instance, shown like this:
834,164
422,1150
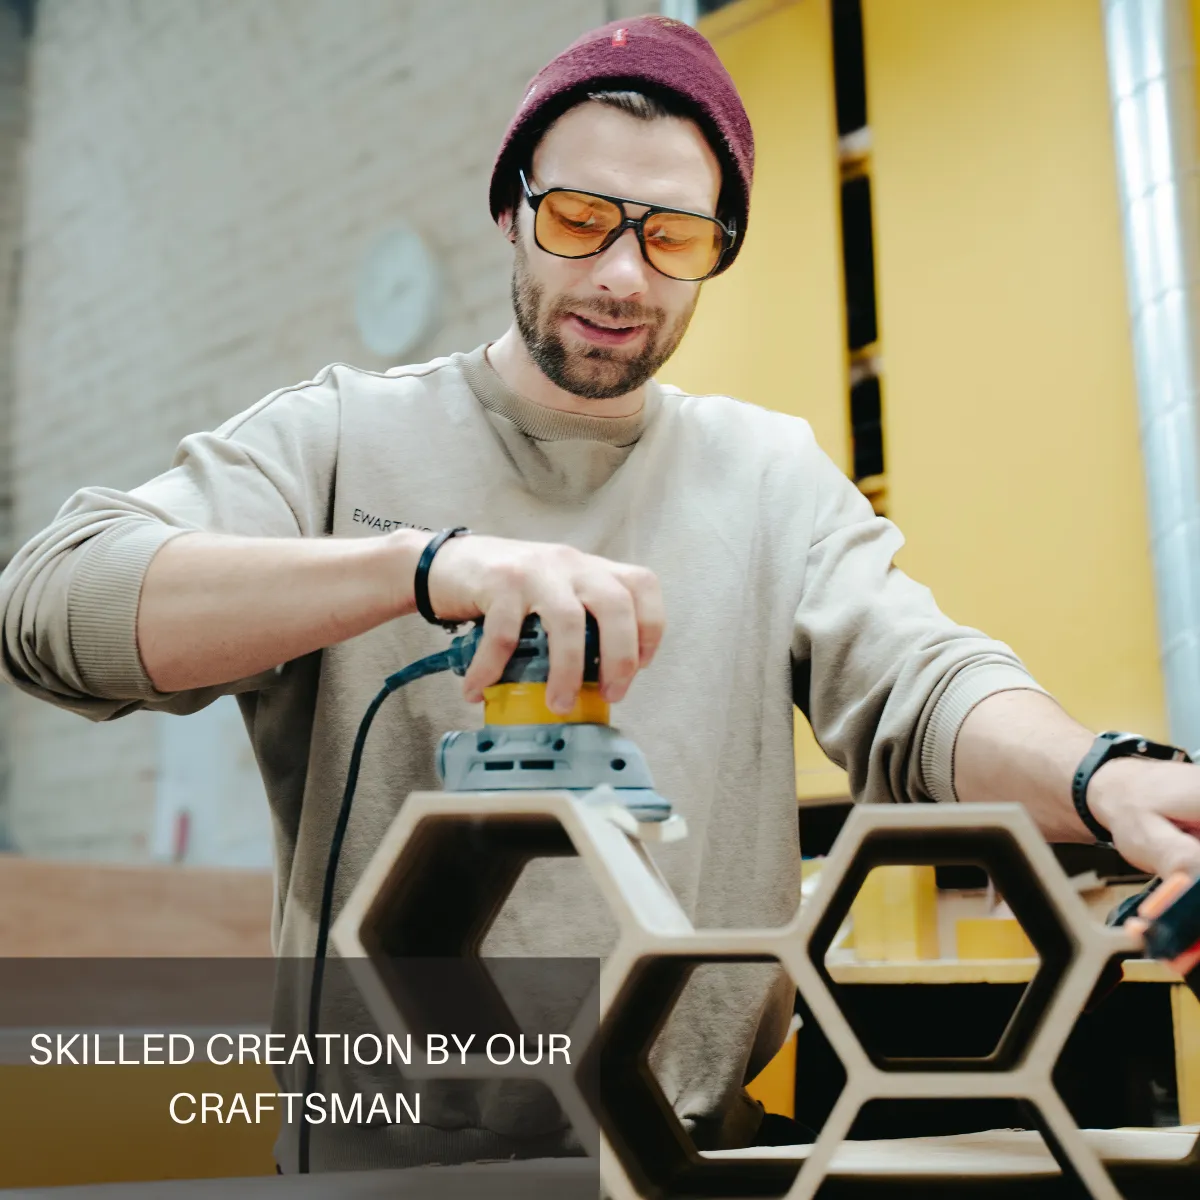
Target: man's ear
507,224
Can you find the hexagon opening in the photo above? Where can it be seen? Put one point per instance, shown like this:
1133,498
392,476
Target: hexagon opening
658,1155
425,926
1000,855
456,872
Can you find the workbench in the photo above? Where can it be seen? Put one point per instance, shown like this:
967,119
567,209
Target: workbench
554,1179
988,1163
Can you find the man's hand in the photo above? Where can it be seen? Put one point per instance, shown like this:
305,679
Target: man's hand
216,608
504,580
1020,745
1152,810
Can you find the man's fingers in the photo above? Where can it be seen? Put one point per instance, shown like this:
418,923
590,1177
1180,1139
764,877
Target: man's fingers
612,606
1167,834
564,621
1180,851
1155,843
501,631
1184,806
649,610
561,585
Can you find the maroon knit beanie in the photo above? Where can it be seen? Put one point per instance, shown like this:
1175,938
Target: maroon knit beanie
655,54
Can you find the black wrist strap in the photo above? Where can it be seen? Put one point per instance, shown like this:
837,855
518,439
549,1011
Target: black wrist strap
1106,747
421,579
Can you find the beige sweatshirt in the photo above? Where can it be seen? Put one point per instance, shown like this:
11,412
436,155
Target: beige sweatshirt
779,588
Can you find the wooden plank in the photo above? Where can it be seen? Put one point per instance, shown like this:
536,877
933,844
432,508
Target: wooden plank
941,970
1003,1152
563,1178
89,910
1148,970
991,937
895,915
844,968
995,1153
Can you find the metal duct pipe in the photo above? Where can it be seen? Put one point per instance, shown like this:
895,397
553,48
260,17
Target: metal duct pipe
1152,88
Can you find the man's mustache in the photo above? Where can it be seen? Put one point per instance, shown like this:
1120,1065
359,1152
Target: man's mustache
628,311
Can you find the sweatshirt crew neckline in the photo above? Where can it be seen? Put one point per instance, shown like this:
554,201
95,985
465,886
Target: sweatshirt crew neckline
544,424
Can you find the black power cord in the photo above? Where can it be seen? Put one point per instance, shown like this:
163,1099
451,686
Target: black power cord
530,660
456,658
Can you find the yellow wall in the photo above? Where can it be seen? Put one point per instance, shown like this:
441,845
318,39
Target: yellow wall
1010,428
1010,415
771,330
1011,444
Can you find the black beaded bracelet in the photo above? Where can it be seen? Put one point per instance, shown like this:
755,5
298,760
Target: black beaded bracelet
421,579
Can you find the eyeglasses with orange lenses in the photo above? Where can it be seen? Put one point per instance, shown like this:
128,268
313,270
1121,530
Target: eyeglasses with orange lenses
679,244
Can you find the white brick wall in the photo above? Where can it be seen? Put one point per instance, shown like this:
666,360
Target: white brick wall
12,131
202,179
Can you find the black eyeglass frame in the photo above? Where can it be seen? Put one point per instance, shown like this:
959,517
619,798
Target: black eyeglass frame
728,232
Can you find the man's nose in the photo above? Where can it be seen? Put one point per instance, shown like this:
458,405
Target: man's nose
621,270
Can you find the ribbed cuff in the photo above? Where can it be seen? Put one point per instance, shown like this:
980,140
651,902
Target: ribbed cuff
964,691
102,609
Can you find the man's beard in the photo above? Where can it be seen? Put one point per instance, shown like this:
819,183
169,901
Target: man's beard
595,372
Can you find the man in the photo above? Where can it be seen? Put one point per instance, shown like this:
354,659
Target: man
709,536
